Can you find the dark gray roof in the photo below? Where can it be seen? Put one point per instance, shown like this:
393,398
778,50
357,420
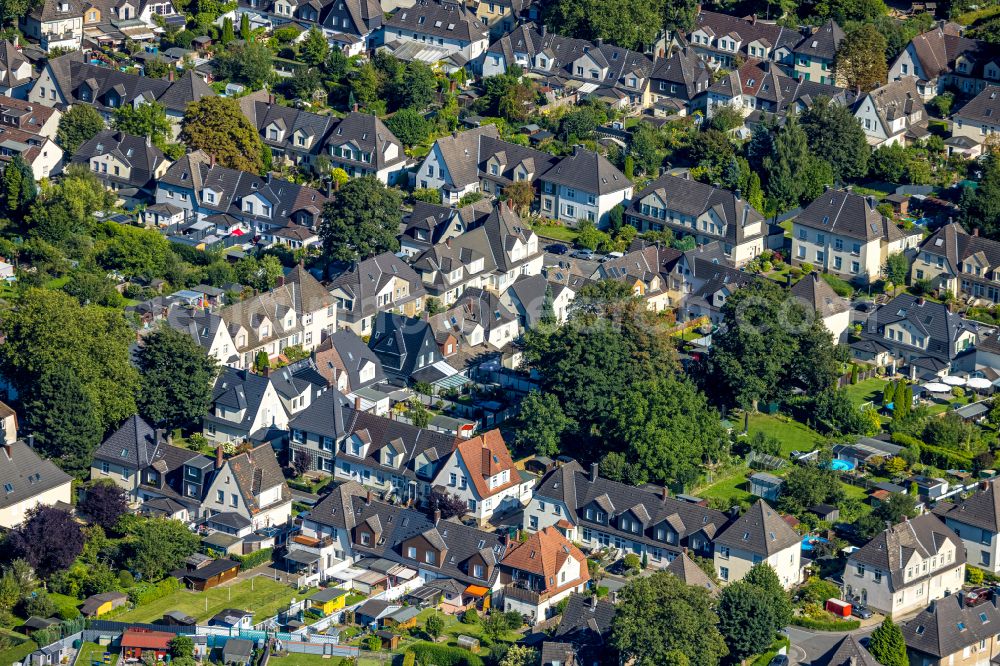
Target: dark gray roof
683,68
981,510
822,43
760,530
747,30
368,133
954,243
238,390
262,114
26,475
327,416
941,326
400,343
135,444
585,619
363,281
891,549
136,152
188,88
818,293
344,351
589,172
948,625
445,20
848,214
684,568
847,652
229,519
409,441
237,650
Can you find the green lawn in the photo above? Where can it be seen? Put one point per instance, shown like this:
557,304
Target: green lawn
299,659
968,18
854,492
90,652
455,627
869,389
555,232
265,599
793,436
733,487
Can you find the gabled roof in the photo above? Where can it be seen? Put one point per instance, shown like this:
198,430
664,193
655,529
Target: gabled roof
684,568
684,67
588,172
983,108
823,42
896,99
255,471
941,326
460,154
326,416
747,30
760,530
543,554
370,135
948,626
848,214
136,152
24,474
981,509
135,444
238,390
847,652
485,456
890,550
399,342
11,60
445,20
362,282
343,352
937,50
818,293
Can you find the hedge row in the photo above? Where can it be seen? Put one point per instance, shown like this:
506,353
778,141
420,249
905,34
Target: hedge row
409,659
935,455
18,652
780,642
443,655
254,559
144,593
826,625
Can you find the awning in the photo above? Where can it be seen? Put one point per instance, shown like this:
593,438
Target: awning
302,556
477,590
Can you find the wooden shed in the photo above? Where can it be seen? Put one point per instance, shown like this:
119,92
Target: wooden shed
390,641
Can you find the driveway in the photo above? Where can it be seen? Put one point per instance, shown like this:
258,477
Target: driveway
808,646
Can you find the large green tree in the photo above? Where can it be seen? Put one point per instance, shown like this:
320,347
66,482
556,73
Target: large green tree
835,135
246,62
409,126
177,378
541,424
787,164
217,126
156,546
314,47
361,220
79,124
148,119
887,644
746,619
64,418
631,25
659,616
860,59
415,89
66,208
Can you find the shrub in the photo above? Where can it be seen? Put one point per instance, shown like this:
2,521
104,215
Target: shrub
442,655
807,268
254,559
826,625
632,563
145,593
409,658
839,286
373,643
974,575
126,579
470,616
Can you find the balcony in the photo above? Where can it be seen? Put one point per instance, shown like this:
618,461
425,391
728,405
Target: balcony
311,544
520,591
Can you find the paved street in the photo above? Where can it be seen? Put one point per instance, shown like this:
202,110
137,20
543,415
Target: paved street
808,646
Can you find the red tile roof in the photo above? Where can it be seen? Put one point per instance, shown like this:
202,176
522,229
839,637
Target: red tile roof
485,456
146,639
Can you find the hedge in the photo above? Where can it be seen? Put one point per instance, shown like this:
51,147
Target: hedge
409,659
826,625
17,652
144,593
443,655
254,559
944,458
780,642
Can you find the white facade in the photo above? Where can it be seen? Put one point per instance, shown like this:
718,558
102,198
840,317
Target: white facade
224,495
14,514
571,205
732,564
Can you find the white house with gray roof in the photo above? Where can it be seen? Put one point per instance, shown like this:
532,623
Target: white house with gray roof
954,632
362,145
447,28
976,521
906,567
583,186
759,535
380,283
28,480
892,114
250,485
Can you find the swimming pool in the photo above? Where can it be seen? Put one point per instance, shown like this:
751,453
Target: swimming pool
841,465
809,542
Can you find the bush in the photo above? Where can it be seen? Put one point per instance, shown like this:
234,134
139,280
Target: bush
373,643
974,575
145,593
442,655
816,590
126,579
254,559
633,563
409,658
825,625
470,616
840,287
807,268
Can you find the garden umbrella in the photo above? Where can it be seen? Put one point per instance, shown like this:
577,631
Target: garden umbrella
951,380
979,383
937,387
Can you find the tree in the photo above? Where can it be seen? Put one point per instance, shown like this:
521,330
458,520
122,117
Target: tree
887,644
520,655
659,616
248,62
177,379
105,503
764,577
181,646
746,620
228,33
11,10
409,126
361,220
217,126
542,424
245,27
860,59
19,189
836,136
79,124
156,546
787,165
434,625
896,268
632,25
808,485
520,194
415,90
260,274
48,539
680,15
149,119
314,48
450,506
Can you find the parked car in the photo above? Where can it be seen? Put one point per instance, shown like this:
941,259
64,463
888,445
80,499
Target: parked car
779,660
556,248
612,255
978,595
860,612
583,254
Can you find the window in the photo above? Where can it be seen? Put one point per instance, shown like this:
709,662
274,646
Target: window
724,552
477,570
724,573
803,234
430,557
365,538
411,552
860,570
533,522
234,500
220,497
105,468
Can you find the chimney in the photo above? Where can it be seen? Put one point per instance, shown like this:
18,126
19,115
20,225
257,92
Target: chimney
159,435
593,602
211,160
368,497
599,42
593,472
7,450
31,441
545,30
753,19
357,404
975,232
437,516
219,460
921,301
270,98
871,201
666,493
447,241
170,74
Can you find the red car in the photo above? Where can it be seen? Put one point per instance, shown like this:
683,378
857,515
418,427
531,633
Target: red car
977,596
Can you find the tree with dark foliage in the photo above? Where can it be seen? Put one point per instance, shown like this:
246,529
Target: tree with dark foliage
177,379
104,503
49,539
451,506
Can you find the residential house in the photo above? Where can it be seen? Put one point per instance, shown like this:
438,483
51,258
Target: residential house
383,283
448,26
834,310
349,525
599,513
362,145
690,208
432,224
16,74
953,631
299,312
36,119
847,651
892,114
353,24
956,262
906,567
707,282
405,346
294,136
722,39
213,193
540,572
976,521
942,59
583,186
501,16
529,297
924,335
584,633
40,154
763,87
813,56
247,407
614,74
55,24
127,165
759,535
28,481
347,363
842,232
481,472
978,119
252,486
683,75
642,270
8,423
478,321
688,571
